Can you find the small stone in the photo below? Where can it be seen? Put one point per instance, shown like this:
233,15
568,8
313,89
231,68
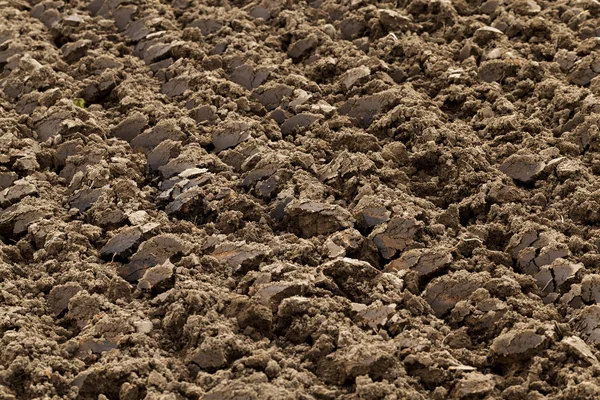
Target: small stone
552,164
566,59
160,65
257,175
109,218
192,173
345,165
144,326
66,150
495,54
260,12
522,167
267,188
329,30
96,346
106,62
27,164
520,241
490,6
486,34
27,103
150,226
322,107
585,71
186,203
350,243
73,20
353,75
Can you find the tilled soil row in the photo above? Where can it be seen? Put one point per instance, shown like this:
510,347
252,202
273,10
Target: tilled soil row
296,200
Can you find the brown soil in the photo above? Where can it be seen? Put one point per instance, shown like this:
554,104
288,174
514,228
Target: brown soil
299,200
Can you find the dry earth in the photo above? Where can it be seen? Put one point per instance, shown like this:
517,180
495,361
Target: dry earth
271,199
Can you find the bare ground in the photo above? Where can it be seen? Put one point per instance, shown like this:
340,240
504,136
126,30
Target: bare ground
206,199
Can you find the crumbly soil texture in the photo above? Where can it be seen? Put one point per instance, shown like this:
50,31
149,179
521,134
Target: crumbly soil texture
280,199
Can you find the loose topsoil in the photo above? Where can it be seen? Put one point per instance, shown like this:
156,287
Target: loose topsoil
357,199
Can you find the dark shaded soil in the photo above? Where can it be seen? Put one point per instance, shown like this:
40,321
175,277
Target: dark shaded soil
205,199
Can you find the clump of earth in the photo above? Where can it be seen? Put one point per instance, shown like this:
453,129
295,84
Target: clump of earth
210,199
